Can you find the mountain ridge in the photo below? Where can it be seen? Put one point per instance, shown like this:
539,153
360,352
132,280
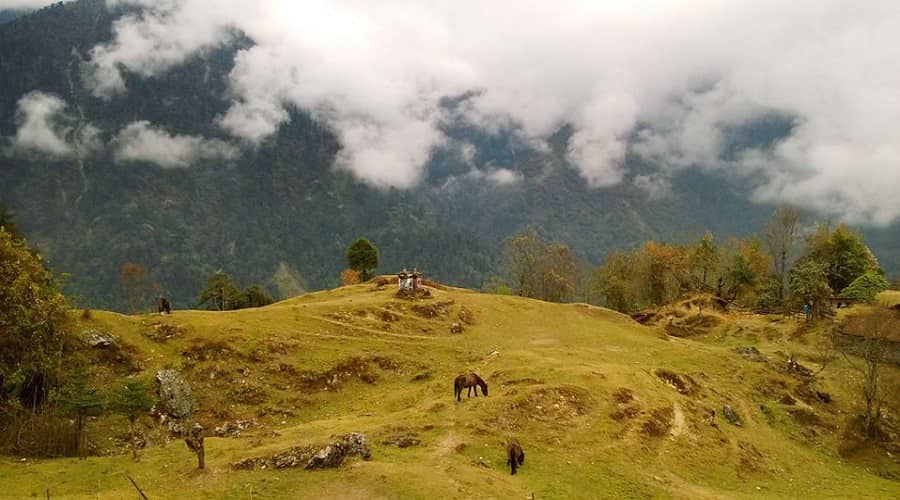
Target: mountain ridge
284,204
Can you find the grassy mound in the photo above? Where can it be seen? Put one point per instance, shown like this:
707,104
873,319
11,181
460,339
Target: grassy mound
603,406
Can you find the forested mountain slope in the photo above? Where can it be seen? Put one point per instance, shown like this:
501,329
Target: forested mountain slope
280,213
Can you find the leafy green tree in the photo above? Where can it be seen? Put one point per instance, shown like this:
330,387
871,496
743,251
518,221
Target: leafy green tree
745,271
521,256
79,400
540,270
362,256
221,293
866,287
702,261
809,285
614,281
843,253
132,400
254,296
33,325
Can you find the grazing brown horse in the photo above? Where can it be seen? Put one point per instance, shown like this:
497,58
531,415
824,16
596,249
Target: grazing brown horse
514,456
469,381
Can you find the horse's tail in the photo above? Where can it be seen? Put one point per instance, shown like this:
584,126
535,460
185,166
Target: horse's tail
457,389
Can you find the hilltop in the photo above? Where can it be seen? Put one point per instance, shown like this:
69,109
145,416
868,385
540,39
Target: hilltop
603,406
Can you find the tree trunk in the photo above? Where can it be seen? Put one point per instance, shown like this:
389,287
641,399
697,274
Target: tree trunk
201,456
133,439
79,436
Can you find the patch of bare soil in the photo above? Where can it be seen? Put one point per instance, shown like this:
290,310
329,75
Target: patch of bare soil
120,358
623,395
522,381
553,404
163,332
466,316
659,422
433,310
402,440
388,316
805,417
248,393
751,460
684,384
209,350
358,368
771,387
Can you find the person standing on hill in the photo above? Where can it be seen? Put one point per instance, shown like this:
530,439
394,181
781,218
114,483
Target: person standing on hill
414,278
401,280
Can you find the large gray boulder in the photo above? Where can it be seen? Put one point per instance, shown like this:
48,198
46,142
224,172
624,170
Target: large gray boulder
731,415
175,394
98,339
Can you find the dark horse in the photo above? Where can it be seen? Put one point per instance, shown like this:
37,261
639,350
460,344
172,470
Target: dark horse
468,381
514,456
163,306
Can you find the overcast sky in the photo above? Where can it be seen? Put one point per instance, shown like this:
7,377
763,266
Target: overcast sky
687,69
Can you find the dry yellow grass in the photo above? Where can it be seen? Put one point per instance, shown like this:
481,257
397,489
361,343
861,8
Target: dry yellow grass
578,386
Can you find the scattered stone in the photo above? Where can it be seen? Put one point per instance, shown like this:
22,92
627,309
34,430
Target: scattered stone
456,328
823,397
794,367
402,441
293,457
175,393
731,416
333,455
710,418
234,429
751,353
98,339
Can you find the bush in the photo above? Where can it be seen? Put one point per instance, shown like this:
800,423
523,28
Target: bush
350,277
33,321
866,287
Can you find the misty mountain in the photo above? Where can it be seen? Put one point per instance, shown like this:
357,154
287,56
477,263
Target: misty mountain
148,177
7,15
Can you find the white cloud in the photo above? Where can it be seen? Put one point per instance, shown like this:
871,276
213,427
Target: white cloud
141,141
681,72
656,186
504,176
42,126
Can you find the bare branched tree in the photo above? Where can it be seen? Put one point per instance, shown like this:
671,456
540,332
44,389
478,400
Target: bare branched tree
780,236
873,329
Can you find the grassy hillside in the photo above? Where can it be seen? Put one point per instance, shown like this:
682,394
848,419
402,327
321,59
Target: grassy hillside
603,406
